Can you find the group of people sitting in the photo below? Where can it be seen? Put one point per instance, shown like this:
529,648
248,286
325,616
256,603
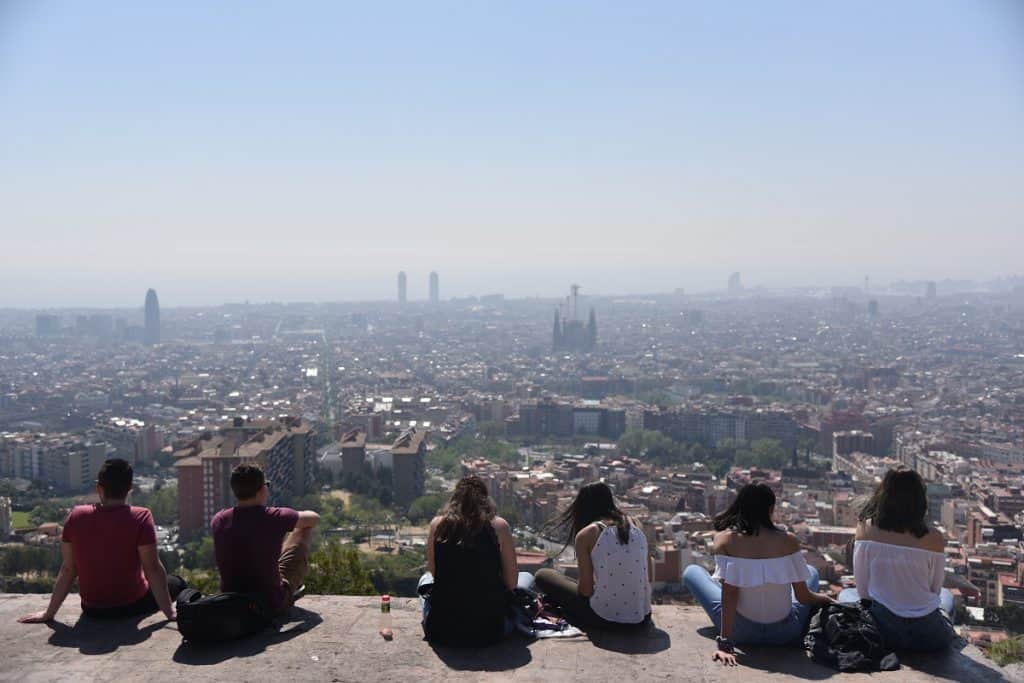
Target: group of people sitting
471,568
111,548
761,593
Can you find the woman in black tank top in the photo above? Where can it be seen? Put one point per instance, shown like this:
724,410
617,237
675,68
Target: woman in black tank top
471,566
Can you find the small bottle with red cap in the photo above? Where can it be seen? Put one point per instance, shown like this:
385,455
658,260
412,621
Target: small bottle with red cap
385,617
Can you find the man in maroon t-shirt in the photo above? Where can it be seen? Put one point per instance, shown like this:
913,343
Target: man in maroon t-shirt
111,549
261,549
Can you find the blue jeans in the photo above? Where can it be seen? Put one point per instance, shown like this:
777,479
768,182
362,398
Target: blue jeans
789,631
931,632
525,580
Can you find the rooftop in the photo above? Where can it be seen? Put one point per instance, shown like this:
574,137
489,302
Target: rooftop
334,638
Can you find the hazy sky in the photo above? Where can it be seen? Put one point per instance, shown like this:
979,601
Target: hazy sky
309,150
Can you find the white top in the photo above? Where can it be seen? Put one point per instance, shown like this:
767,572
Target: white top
622,591
905,580
766,594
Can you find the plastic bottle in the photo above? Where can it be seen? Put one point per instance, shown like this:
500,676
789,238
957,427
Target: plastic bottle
385,617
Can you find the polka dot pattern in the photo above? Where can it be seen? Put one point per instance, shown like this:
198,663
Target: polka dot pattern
622,591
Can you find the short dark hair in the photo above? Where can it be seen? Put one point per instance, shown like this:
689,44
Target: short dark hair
750,512
900,504
116,478
246,481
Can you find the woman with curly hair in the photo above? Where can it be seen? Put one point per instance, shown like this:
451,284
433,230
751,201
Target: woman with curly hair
471,569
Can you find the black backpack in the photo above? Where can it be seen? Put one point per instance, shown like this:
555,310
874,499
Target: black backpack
846,637
224,616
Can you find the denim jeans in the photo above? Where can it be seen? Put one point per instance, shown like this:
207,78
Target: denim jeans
524,580
931,632
789,631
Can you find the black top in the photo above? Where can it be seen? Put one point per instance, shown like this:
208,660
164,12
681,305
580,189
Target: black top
469,600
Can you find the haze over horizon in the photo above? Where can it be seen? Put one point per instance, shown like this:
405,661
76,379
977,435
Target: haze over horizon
272,154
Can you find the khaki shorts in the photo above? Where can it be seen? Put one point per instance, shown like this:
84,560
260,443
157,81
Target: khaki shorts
294,566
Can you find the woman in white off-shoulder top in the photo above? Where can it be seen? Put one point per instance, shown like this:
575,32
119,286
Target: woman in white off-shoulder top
899,565
762,591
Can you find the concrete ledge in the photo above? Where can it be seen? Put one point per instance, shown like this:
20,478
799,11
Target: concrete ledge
334,638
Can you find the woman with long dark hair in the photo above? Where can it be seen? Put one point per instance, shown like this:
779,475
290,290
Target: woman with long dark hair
759,568
471,568
614,588
899,564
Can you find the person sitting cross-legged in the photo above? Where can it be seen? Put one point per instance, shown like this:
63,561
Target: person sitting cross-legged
614,589
763,591
471,571
259,549
110,547
899,564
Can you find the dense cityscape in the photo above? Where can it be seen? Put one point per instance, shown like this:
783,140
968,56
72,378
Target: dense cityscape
368,412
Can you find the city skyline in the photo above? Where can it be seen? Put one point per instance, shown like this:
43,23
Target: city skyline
632,146
924,288
708,263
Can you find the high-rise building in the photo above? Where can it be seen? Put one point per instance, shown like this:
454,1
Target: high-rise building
408,465
47,325
68,462
401,287
931,290
735,285
549,417
435,288
353,451
5,517
285,449
591,339
152,334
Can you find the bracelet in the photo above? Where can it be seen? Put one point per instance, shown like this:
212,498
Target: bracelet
725,645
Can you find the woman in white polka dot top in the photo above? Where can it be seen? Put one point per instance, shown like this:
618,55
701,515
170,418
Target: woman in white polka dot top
614,589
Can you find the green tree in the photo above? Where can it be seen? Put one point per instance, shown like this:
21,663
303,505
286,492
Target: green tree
1009,616
370,483
199,554
310,501
632,443
332,512
445,459
491,430
1009,651
161,501
335,569
19,559
654,446
491,448
48,511
35,583
424,508
698,453
206,581
763,453
396,574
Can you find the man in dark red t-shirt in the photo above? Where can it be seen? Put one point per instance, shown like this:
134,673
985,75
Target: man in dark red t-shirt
111,549
261,549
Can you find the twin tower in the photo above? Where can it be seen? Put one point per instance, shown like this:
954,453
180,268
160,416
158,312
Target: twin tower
435,288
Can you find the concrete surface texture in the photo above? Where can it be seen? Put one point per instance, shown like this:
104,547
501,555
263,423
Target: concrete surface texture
334,638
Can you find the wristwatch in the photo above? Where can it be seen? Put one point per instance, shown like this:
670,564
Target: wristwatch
725,645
